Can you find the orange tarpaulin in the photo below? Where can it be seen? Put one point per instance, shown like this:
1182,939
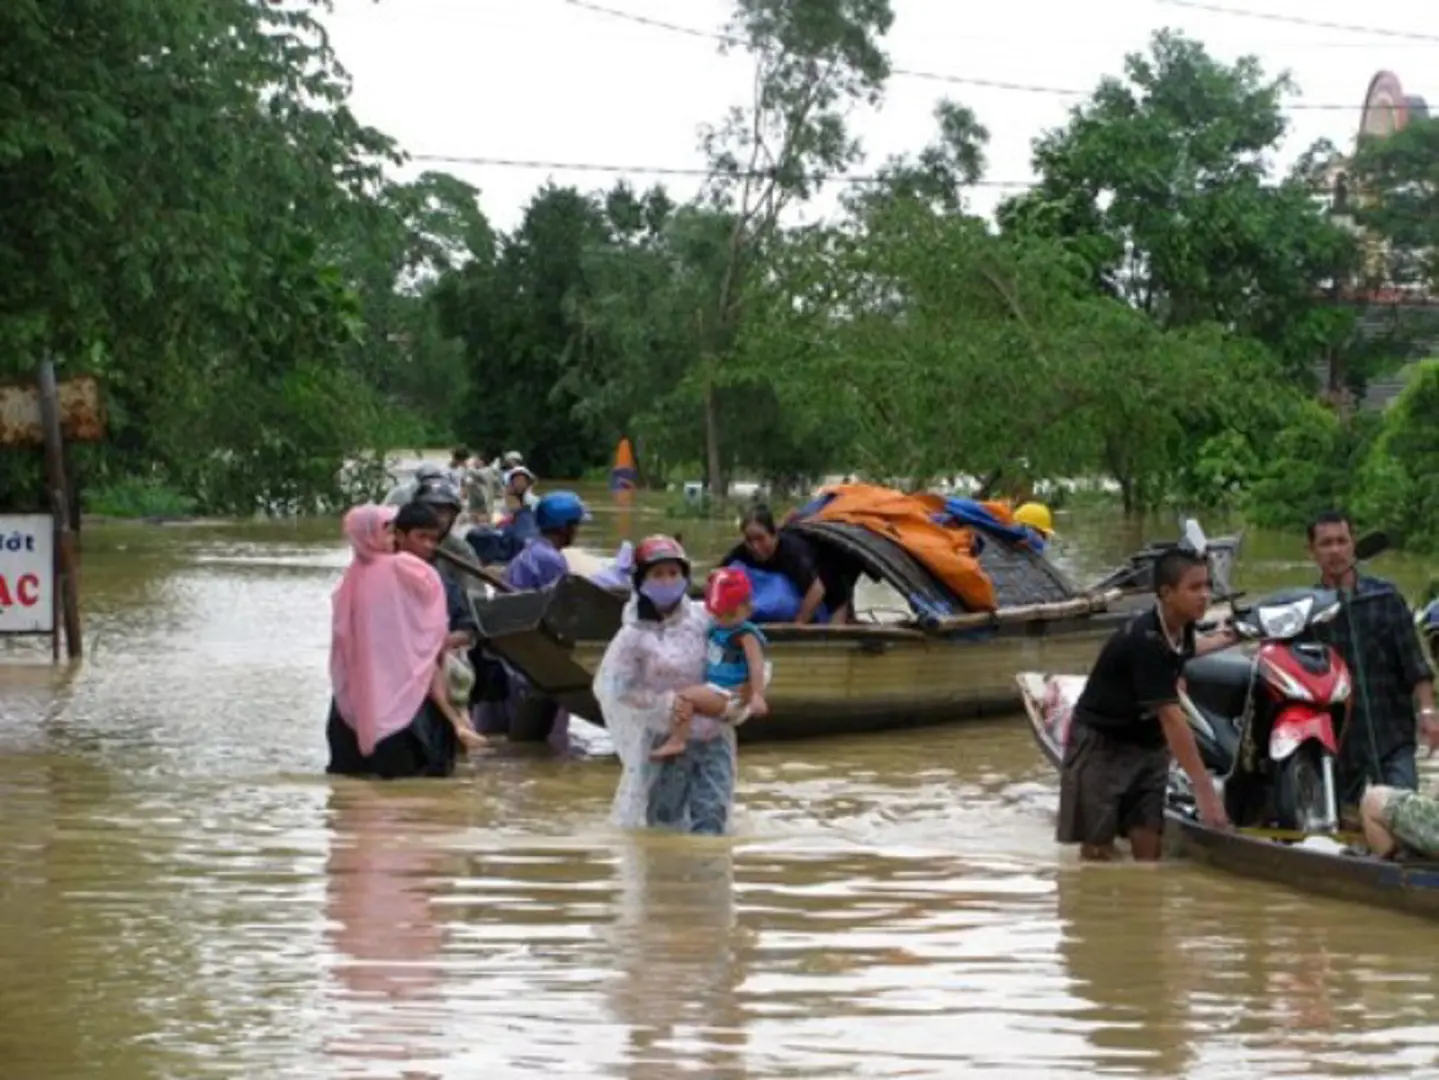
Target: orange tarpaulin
908,520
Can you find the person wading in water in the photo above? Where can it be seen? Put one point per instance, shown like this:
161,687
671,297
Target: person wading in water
1127,723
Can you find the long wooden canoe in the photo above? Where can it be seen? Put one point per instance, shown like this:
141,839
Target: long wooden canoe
1410,887
936,664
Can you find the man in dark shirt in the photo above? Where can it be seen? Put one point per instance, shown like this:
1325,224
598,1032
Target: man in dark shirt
1128,721
1375,635
417,528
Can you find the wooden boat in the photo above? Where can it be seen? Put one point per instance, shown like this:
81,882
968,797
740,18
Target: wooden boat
1267,854
932,664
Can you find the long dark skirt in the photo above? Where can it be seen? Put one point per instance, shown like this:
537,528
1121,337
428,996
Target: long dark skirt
428,747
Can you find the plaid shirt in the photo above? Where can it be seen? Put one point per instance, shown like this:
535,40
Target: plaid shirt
1393,663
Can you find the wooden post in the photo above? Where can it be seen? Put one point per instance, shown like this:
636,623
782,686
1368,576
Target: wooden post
60,508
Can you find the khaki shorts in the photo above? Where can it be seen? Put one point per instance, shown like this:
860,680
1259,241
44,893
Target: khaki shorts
1414,821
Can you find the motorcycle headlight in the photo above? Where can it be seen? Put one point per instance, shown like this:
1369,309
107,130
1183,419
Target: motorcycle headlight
1284,621
1329,614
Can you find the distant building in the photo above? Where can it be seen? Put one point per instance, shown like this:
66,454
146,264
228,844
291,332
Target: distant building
1385,110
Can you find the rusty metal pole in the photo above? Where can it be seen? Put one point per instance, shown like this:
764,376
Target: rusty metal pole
69,587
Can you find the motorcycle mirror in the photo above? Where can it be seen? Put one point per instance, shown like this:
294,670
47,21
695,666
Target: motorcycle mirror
1192,537
1371,545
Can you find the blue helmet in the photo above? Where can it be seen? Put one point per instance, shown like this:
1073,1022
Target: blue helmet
559,509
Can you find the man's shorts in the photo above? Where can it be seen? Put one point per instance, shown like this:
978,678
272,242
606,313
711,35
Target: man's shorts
1108,786
1414,821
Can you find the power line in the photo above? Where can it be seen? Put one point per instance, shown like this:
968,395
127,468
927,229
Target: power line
674,170
1297,20
933,76
730,39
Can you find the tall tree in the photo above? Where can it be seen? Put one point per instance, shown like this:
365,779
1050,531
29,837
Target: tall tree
813,61
1161,180
516,314
182,184
1394,181
938,174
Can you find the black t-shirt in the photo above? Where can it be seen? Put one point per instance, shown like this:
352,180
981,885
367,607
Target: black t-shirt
792,557
1137,672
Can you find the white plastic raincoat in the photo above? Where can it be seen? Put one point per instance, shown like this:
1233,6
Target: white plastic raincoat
643,667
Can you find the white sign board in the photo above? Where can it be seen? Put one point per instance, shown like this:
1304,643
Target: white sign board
27,574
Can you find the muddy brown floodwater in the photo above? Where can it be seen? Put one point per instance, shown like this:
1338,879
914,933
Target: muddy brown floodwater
183,894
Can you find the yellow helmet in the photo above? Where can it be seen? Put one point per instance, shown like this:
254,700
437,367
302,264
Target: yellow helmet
1036,516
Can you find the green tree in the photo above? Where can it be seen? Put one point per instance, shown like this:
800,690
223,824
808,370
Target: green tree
939,174
1393,181
516,313
1161,181
946,348
1397,489
183,185
814,60
1309,469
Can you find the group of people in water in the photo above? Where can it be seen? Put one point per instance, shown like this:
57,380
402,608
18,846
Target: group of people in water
674,683
680,676
1128,725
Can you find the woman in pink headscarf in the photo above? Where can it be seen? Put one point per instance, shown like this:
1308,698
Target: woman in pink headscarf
391,715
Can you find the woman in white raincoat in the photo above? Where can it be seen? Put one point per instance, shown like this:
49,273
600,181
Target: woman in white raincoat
659,650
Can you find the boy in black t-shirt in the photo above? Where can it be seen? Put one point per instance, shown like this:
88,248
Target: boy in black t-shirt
1128,722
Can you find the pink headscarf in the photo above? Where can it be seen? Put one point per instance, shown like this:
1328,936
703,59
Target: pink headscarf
388,630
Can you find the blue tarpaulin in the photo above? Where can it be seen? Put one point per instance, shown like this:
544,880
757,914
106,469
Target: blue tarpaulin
969,512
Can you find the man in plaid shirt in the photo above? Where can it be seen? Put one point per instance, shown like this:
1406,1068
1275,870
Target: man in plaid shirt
1376,636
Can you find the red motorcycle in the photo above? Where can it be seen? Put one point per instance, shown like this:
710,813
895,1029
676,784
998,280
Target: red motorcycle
1266,723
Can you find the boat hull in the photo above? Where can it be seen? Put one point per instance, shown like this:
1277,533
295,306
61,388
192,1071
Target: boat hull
827,680
1409,887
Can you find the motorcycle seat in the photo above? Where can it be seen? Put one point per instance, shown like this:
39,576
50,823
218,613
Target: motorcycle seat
1220,682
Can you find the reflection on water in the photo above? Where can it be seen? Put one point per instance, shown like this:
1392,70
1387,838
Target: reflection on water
183,894
380,878
676,953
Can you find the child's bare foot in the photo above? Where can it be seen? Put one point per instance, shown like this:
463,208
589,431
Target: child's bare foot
674,746
471,739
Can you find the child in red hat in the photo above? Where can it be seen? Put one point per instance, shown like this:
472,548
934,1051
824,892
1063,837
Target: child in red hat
734,663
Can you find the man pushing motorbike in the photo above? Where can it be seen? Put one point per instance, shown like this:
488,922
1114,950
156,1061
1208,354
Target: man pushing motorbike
1128,722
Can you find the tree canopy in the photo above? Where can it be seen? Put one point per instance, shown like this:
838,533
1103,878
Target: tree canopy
198,218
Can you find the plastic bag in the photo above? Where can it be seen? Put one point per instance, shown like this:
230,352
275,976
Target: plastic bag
616,574
775,598
459,680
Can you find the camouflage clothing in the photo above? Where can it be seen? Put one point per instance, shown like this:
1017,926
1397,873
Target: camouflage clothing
1414,821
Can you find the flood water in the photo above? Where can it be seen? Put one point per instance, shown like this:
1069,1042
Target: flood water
183,894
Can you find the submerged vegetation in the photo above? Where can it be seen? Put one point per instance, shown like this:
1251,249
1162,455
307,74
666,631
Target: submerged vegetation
202,222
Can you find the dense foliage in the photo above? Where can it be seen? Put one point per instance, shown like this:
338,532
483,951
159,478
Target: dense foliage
193,213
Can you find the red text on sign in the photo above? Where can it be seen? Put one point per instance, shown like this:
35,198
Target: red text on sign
25,591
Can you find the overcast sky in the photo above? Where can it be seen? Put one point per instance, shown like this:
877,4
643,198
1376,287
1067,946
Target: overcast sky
550,81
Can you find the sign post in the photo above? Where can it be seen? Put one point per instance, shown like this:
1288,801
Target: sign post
39,587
